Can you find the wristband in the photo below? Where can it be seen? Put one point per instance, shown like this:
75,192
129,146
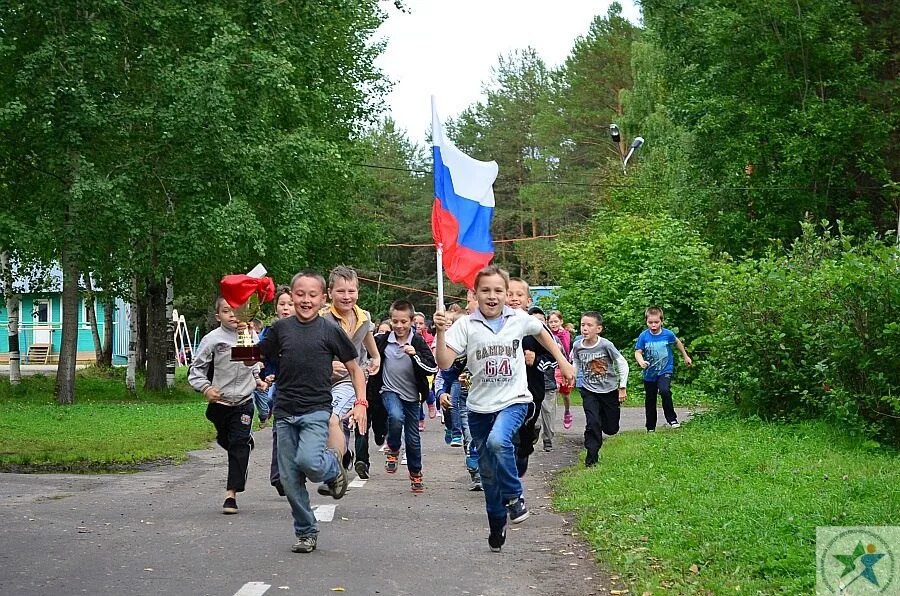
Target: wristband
361,402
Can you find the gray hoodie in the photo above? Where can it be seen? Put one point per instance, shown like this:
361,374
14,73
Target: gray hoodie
234,380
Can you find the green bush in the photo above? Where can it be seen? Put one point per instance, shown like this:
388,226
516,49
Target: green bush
625,263
812,331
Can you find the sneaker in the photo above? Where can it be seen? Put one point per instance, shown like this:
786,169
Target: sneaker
416,483
338,485
567,420
475,483
548,446
517,510
384,448
432,411
324,490
305,544
362,469
279,487
448,436
390,462
496,540
403,461
347,460
674,424
456,441
229,507
651,430
421,425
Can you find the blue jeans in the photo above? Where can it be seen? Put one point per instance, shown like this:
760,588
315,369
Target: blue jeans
302,456
404,416
456,414
492,437
462,408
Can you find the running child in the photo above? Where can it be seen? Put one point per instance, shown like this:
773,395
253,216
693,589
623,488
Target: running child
653,352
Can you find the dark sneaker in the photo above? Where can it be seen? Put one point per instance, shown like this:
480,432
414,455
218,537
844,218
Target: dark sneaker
517,510
496,540
391,462
279,487
456,441
674,424
348,460
475,483
416,483
338,486
548,446
229,507
305,544
324,490
362,469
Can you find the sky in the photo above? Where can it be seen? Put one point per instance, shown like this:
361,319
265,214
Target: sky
447,48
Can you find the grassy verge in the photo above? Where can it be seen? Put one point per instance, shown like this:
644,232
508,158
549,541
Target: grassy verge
106,429
727,505
684,396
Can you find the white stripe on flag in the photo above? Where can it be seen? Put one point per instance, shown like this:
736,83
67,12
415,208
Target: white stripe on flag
324,513
253,589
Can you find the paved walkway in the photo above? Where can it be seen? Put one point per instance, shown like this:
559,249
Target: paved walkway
161,532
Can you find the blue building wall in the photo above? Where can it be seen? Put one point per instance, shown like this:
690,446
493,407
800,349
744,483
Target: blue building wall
27,325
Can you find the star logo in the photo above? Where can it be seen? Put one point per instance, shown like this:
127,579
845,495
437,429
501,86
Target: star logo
857,560
867,556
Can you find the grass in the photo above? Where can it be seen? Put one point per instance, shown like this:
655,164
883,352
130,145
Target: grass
684,396
106,429
727,505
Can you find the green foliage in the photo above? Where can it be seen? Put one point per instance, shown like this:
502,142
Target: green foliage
109,429
811,331
738,498
623,263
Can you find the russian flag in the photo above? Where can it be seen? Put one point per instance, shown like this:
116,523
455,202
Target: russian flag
463,207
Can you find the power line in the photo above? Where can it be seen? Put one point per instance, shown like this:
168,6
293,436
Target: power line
501,241
417,290
642,186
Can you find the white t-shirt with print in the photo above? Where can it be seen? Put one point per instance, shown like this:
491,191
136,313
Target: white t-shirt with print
496,361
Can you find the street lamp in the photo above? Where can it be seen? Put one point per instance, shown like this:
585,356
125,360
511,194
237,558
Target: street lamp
616,137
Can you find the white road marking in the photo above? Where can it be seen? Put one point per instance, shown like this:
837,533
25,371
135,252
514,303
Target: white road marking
253,589
357,483
324,513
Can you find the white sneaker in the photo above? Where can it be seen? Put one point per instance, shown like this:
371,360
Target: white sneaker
403,459
383,447
674,424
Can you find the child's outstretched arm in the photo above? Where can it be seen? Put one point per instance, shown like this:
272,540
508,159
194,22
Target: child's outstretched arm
639,356
565,368
360,408
442,352
684,354
374,356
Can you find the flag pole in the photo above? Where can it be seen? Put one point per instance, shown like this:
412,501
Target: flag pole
440,278
439,246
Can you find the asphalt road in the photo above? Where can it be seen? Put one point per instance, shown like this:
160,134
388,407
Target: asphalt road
162,532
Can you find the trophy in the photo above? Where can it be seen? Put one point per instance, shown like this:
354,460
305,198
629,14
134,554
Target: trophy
245,294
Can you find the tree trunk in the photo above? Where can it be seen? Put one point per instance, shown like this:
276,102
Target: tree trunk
130,382
90,302
170,333
65,372
12,310
109,308
157,343
141,346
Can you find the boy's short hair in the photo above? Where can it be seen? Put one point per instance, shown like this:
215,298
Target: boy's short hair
653,310
594,315
220,300
419,313
536,310
454,308
311,275
491,270
521,281
282,289
403,306
342,272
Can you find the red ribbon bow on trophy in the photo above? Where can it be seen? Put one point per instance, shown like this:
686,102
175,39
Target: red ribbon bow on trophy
237,289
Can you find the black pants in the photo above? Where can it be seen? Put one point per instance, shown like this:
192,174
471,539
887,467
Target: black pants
662,386
233,435
602,411
274,474
525,439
